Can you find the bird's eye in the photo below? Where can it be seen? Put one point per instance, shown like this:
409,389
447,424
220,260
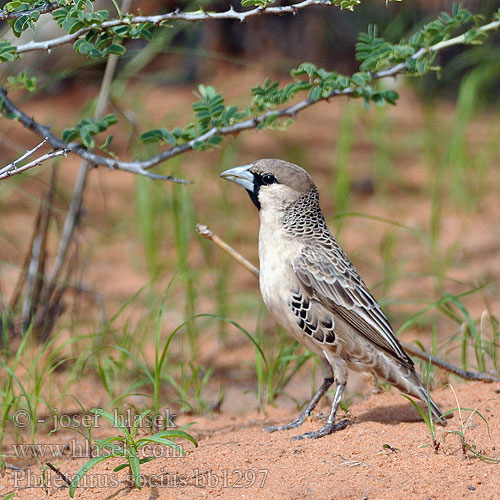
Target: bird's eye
268,179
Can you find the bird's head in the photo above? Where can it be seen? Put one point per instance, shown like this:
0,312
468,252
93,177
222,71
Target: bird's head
271,182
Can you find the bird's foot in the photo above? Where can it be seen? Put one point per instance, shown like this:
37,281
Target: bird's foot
291,425
442,421
329,428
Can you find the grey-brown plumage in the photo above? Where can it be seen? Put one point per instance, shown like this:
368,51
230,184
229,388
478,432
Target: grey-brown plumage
315,292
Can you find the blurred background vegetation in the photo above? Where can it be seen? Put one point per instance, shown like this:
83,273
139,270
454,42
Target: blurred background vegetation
411,193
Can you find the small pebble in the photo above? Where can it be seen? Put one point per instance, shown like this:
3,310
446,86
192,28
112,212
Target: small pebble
470,487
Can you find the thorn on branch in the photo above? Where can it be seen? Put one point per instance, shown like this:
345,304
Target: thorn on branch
6,15
140,167
13,169
176,14
62,148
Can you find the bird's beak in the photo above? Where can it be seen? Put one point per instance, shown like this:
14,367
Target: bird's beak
240,175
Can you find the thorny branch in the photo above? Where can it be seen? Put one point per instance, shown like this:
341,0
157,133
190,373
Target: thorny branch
465,374
136,167
141,166
201,15
205,232
176,15
13,169
22,157
457,40
6,15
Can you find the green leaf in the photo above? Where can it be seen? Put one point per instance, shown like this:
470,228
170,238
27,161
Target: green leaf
20,25
83,470
106,143
256,3
121,31
69,134
120,467
96,54
23,81
157,135
133,461
173,433
117,49
137,421
82,46
391,96
106,122
214,140
360,79
102,41
347,4
72,25
115,422
7,51
86,136
104,443
159,440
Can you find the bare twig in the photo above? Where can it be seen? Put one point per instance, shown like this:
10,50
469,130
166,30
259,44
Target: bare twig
13,170
6,15
467,375
59,473
209,235
73,214
27,307
22,157
16,296
38,254
92,158
176,15
201,15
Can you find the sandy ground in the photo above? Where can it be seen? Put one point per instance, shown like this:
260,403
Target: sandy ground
384,454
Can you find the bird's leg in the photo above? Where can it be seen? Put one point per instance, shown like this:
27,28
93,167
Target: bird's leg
330,425
327,382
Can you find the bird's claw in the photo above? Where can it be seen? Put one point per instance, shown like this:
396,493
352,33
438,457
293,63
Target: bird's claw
329,428
291,425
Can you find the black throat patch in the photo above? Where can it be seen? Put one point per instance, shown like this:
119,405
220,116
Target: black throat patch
254,196
258,181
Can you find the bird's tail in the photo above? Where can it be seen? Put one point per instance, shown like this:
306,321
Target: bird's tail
436,412
418,390
406,379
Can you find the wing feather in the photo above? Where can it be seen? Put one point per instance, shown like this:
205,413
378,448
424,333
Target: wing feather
328,276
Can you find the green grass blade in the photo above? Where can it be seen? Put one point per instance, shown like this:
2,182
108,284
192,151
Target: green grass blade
239,327
166,442
115,422
138,421
172,433
133,461
143,367
414,317
83,470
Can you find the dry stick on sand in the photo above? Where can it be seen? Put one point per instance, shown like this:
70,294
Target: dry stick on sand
60,474
414,351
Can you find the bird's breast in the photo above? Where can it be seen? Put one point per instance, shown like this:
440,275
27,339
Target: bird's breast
276,277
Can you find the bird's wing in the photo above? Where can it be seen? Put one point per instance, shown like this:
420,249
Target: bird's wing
328,276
